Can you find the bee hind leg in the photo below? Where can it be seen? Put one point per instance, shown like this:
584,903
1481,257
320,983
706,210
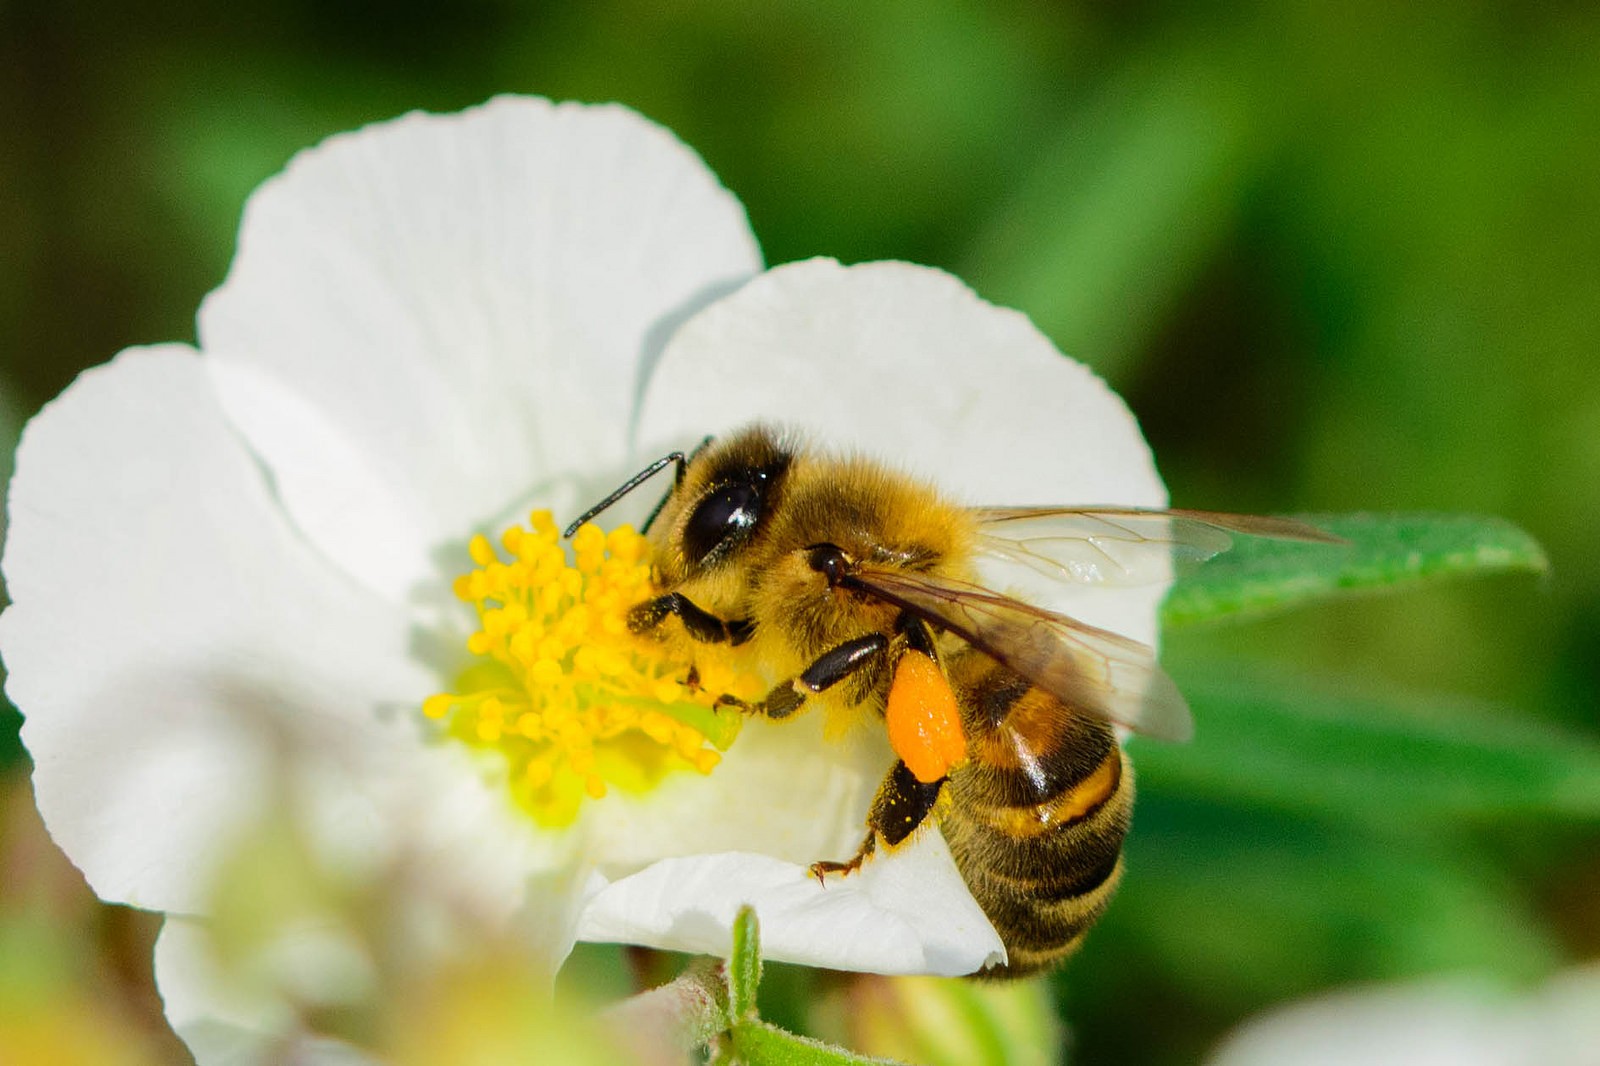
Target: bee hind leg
821,870
901,805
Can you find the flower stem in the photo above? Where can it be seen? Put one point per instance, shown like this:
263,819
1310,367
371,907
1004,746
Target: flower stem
688,1012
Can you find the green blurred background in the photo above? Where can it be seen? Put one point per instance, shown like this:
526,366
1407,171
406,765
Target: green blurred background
1337,257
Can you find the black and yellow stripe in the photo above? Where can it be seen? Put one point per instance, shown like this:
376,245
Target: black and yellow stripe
1038,813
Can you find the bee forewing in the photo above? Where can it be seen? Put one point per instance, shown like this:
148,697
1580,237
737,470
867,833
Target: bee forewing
1121,546
1090,669
1132,691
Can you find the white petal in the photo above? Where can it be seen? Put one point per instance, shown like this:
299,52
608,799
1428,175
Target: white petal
907,912
782,790
1438,1022
225,1023
435,318
168,629
243,1012
437,826
907,364
442,901
785,796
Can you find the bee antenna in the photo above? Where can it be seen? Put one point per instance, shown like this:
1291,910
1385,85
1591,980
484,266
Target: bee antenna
628,486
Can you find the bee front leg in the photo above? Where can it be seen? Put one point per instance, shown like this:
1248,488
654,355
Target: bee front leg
702,625
902,804
830,668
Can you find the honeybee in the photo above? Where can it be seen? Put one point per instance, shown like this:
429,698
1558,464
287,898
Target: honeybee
858,585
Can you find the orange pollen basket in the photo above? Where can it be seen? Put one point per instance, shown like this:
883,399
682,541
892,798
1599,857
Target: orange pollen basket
923,719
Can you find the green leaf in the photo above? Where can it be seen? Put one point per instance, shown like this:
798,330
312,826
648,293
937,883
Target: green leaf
1260,575
1281,742
744,966
759,1044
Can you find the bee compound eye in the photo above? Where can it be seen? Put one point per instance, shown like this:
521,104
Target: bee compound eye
725,513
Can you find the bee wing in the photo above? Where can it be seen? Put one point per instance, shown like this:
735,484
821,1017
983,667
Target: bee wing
1088,668
1120,546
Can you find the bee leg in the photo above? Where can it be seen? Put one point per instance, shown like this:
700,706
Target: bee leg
699,624
821,870
902,804
830,668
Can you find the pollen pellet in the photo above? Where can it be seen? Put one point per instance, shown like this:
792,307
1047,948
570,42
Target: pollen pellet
923,719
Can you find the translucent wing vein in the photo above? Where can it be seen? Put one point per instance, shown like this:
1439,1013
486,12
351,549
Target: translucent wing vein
1088,668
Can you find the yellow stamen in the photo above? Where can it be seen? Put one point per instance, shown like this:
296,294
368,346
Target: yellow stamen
575,702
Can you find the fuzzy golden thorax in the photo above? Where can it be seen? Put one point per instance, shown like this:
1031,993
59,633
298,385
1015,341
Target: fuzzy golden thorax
874,514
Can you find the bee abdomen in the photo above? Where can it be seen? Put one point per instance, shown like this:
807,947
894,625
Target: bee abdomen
1044,887
1038,813
1039,931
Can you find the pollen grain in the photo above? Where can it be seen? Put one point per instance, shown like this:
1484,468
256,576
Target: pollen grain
575,703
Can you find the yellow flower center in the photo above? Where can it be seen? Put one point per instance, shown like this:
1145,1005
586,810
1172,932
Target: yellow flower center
558,685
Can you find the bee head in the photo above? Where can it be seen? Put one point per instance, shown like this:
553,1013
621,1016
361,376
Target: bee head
718,505
720,494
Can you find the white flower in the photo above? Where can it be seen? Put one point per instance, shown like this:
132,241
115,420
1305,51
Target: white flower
431,325
1436,1022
